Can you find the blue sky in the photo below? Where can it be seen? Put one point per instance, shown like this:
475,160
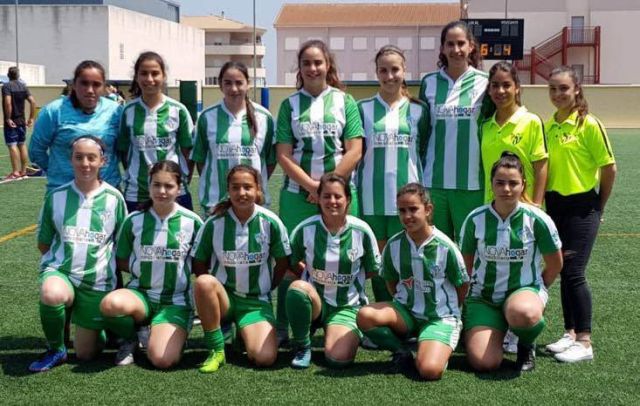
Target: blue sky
266,12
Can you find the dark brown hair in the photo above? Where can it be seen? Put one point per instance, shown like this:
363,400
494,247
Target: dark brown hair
251,114
165,166
417,189
135,90
332,69
82,66
332,177
581,105
392,49
224,205
475,59
505,66
510,160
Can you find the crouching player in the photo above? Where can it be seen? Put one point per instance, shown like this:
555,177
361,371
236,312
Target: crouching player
153,245
425,273
239,244
77,228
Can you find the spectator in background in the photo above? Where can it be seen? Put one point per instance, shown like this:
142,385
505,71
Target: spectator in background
14,95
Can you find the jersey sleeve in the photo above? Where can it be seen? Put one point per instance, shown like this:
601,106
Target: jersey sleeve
279,246
353,126
185,131
201,144
468,242
388,272
42,137
456,271
203,245
538,147
270,143
46,226
123,142
372,260
598,142
546,235
284,132
124,242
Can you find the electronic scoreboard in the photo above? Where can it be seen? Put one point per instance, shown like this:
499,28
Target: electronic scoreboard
498,38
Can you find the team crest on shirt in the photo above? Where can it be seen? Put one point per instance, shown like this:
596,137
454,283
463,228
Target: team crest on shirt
516,138
181,237
172,123
436,271
262,238
417,285
353,254
566,138
525,234
105,217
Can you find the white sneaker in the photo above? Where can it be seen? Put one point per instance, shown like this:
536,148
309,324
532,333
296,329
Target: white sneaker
561,345
577,352
124,356
510,343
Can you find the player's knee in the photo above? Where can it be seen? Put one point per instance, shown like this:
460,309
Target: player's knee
85,353
484,363
205,283
264,358
366,318
113,305
524,315
161,361
429,370
53,297
300,285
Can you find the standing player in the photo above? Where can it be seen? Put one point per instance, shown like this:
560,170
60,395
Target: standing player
455,96
336,252
512,128
239,244
153,245
154,127
425,272
582,171
503,244
76,232
63,120
395,128
319,131
14,95
232,132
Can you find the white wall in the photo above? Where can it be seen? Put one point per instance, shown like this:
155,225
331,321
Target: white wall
31,74
619,59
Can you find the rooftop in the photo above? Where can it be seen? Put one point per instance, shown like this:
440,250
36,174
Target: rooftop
219,23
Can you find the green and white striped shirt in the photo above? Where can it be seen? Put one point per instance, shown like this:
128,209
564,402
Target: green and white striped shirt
507,253
158,253
242,256
336,265
317,128
426,276
393,144
223,141
453,151
151,135
80,231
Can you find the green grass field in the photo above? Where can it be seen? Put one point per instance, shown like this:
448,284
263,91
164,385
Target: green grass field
613,378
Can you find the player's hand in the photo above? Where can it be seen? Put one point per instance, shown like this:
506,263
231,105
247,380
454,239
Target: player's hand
11,124
312,198
29,122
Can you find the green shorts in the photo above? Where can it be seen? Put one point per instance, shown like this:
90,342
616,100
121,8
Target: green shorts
451,207
343,316
157,313
445,330
85,310
478,312
246,311
384,227
298,209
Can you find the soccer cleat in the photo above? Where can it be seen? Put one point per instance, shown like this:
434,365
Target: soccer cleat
561,345
48,360
526,360
576,353
368,344
301,357
124,356
402,358
214,361
283,338
510,343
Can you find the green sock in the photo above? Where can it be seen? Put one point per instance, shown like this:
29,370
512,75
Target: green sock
380,291
52,319
299,312
123,326
214,340
282,322
384,338
528,335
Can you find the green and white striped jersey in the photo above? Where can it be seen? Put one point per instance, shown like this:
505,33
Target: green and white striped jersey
223,141
151,135
158,253
317,128
336,265
426,276
453,150
394,141
508,254
80,231
242,256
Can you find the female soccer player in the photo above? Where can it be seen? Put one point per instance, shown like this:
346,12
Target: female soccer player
153,245
336,252
63,120
503,244
239,245
232,132
395,128
154,127
513,128
425,272
455,95
76,233
319,131
582,171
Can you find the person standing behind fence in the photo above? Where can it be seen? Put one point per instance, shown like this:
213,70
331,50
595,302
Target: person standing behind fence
14,95
154,127
63,120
